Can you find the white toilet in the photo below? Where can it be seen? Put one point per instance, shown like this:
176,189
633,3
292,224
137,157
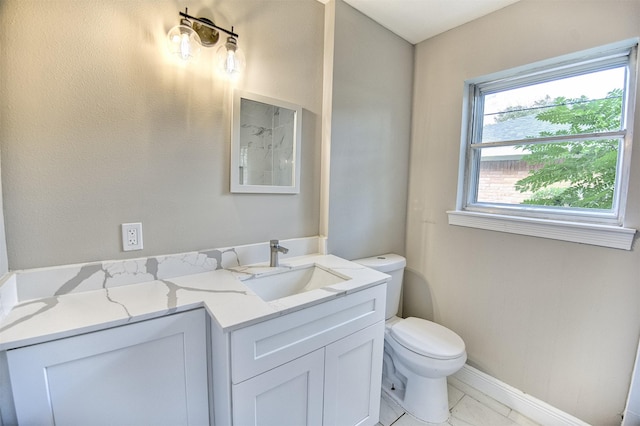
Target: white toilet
418,354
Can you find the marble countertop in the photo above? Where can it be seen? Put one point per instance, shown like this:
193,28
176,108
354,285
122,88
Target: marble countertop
222,293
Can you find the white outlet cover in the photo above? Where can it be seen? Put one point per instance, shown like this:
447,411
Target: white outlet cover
132,236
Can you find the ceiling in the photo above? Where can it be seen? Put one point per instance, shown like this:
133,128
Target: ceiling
418,20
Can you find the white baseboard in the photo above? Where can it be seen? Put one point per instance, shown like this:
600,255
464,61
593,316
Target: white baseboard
533,408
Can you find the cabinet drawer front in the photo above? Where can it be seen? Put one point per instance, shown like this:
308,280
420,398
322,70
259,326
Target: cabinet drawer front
271,343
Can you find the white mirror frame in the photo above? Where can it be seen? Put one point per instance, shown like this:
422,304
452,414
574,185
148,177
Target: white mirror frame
236,144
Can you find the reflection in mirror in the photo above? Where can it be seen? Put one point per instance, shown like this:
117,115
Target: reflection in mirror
265,149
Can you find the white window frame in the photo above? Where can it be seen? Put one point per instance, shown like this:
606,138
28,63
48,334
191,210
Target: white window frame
602,228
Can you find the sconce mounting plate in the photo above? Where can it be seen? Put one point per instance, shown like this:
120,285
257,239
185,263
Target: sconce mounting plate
208,36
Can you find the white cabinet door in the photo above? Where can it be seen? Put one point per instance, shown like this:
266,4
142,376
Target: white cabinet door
288,395
353,372
151,372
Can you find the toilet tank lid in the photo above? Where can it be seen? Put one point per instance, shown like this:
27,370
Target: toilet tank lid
384,263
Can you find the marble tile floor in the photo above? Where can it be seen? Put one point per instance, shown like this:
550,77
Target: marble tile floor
468,407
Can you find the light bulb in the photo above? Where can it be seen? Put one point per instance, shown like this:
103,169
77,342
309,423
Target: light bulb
184,42
230,63
229,59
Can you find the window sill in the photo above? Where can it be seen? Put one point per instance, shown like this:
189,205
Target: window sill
585,233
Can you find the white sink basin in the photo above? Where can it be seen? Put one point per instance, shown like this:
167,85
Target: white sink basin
287,283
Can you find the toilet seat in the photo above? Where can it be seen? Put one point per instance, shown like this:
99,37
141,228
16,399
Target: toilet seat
427,338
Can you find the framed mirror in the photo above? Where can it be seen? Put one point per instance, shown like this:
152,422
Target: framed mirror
265,145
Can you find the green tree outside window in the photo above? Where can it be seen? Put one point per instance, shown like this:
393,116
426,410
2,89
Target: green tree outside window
574,174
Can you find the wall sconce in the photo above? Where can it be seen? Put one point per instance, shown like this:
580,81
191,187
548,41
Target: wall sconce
186,39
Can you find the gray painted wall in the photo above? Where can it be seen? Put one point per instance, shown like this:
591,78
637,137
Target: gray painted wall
557,320
4,261
372,81
100,127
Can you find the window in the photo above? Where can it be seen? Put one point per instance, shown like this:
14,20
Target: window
546,148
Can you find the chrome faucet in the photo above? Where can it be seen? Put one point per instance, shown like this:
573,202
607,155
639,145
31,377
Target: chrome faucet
276,248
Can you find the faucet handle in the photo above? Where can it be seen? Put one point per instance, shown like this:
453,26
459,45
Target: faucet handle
274,243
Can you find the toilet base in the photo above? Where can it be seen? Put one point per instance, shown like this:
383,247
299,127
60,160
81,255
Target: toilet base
424,398
435,407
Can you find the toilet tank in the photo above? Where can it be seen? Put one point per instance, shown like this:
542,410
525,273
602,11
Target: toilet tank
391,264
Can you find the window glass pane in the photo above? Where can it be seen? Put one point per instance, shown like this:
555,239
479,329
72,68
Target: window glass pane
566,175
586,103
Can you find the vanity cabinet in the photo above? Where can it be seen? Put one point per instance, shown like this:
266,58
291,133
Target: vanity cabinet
150,372
311,362
318,366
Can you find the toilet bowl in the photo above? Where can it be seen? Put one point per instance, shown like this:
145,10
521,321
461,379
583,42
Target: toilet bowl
418,354
424,354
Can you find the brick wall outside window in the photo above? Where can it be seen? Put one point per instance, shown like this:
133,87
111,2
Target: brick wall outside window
498,178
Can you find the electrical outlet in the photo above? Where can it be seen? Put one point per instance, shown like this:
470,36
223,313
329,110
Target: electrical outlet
131,236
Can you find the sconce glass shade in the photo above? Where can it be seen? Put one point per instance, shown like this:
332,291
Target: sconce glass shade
229,59
184,42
